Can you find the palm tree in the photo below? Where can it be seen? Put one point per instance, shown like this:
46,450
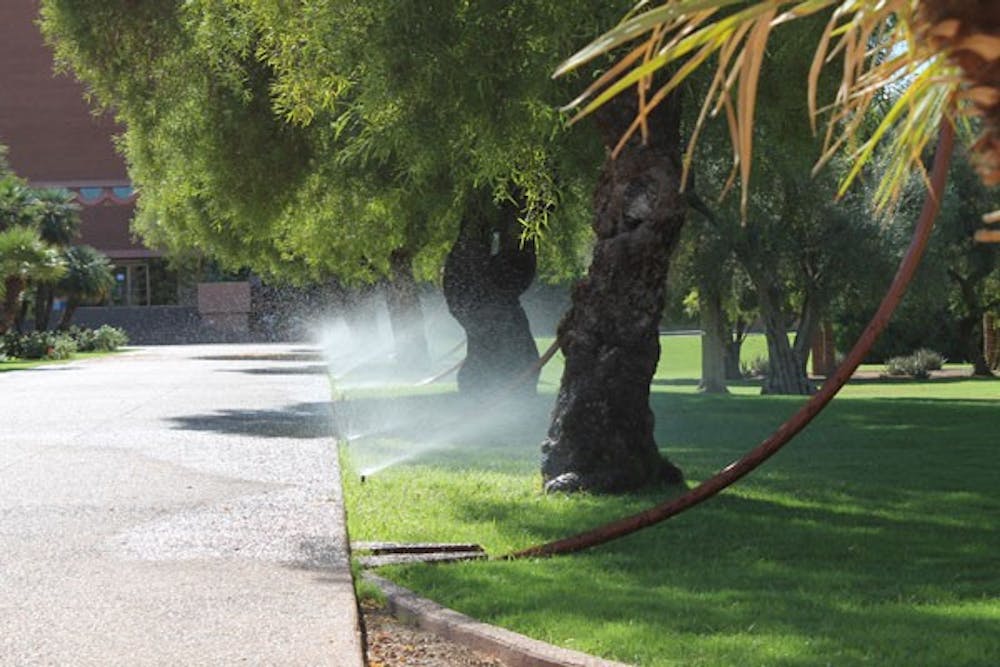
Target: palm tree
24,256
88,278
939,58
58,217
16,202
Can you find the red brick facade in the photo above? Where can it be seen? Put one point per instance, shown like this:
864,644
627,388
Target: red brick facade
55,140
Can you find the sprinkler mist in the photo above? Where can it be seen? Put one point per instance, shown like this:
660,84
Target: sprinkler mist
381,423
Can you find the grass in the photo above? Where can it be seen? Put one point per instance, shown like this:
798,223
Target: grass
26,364
872,539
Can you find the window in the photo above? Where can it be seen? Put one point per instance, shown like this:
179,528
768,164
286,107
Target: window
131,285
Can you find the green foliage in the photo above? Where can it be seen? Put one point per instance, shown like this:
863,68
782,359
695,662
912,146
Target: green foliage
105,338
917,365
61,344
39,345
32,224
88,274
16,203
958,281
57,214
755,367
24,255
313,138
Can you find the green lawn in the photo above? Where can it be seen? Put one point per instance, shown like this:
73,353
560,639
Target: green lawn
25,364
873,538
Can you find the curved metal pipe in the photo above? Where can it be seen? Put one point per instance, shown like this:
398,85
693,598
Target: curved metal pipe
806,413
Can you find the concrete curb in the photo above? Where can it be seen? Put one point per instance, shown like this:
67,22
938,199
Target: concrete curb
514,649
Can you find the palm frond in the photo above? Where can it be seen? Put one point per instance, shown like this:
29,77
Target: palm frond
887,49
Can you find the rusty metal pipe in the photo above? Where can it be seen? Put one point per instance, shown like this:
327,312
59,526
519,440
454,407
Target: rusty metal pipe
806,413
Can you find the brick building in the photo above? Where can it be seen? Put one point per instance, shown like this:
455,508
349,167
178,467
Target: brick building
55,141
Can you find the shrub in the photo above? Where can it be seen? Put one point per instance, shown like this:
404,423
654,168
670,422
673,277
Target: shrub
928,359
105,339
108,338
918,365
757,367
39,345
63,347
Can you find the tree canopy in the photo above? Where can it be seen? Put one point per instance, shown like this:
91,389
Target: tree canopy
315,138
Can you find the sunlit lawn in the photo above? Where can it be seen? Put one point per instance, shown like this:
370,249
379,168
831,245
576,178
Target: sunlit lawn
873,538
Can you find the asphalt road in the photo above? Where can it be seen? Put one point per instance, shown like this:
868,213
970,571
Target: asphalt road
173,506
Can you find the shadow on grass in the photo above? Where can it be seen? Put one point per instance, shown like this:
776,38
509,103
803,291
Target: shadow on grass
871,538
841,556
300,420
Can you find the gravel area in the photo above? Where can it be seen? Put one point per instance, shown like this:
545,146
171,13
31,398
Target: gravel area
394,644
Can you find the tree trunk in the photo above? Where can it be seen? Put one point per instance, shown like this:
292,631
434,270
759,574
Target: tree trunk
68,312
734,347
485,273
44,296
13,286
786,373
601,435
809,323
713,342
824,360
970,327
990,348
405,315
971,331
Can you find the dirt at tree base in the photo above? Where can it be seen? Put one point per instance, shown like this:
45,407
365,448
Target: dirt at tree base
391,643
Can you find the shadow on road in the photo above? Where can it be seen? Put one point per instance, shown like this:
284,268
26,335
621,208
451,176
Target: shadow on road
316,369
301,420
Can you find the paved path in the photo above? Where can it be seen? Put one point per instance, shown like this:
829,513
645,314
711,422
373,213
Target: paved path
173,506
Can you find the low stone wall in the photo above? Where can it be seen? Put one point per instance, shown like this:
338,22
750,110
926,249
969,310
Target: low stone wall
157,325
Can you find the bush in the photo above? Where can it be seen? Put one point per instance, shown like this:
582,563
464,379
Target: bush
928,359
109,338
63,347
758,367
39,345
105,339
918,365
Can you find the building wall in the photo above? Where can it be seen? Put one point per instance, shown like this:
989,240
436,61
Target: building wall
53,137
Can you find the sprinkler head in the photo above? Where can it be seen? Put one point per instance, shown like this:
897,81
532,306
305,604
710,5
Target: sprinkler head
363,478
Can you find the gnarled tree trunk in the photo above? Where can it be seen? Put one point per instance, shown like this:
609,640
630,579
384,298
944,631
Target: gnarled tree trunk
405,314
786,372
487,270
601,435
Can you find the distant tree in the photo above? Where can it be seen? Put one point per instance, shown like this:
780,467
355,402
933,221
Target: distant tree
719,293
972,269
24,255
88,277
58,225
